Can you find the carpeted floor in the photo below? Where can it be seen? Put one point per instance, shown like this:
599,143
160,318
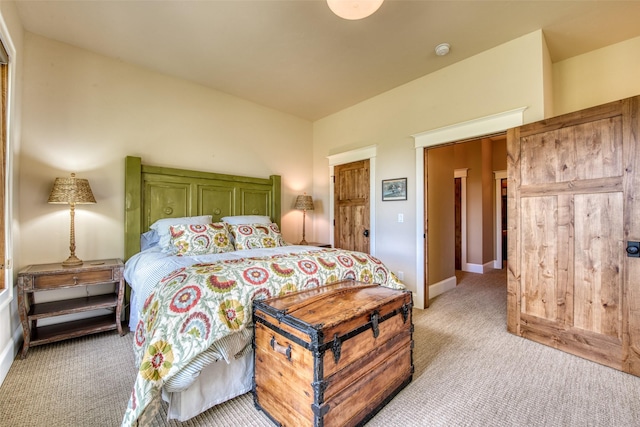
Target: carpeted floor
468,372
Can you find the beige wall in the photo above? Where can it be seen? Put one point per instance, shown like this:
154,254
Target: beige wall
469,156
501,79
477,158
441,213
597,77
499,154
85,112
488,203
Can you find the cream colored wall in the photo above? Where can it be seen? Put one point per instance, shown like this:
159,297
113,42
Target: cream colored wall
547,81
501,79
488,203
10,330
499,155
476,156
84,113
469,156
441,214
597,77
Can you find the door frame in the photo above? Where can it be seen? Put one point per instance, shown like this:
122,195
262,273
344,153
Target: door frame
498,176
462,174
475,128
349,157
6,292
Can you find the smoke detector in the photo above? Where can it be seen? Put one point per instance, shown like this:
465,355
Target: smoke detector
442,49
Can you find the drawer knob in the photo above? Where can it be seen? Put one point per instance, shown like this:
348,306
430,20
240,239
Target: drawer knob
75,280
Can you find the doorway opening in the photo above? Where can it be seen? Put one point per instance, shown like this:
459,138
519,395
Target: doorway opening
496,124
466,213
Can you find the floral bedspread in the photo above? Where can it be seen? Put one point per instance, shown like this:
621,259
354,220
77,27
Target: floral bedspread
195,306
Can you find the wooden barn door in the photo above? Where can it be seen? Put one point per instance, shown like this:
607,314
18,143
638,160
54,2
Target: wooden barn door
351,205
572,212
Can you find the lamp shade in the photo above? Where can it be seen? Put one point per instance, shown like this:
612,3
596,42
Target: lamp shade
354,9
71,190
304,202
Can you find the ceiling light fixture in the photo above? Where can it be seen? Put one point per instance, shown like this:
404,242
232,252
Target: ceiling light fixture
354,9
442,49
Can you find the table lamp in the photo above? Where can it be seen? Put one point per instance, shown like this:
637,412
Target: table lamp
305,203
72,191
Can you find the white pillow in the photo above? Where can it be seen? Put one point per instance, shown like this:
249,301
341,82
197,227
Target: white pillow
246,219
161,226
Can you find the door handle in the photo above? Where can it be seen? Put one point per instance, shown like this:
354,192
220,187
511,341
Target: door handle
366,233
633,249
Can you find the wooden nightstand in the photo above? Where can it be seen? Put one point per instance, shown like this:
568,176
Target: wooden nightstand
44,277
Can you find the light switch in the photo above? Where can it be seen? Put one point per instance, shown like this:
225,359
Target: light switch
400,217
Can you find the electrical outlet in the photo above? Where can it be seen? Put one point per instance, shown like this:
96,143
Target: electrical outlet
400,275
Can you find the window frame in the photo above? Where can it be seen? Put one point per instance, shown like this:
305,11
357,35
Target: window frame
7,98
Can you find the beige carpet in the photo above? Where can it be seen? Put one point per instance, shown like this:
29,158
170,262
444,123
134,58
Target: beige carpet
468,372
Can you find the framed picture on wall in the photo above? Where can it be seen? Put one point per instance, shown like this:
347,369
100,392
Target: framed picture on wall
394,189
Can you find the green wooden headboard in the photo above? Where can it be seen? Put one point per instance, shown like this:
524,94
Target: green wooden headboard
153,192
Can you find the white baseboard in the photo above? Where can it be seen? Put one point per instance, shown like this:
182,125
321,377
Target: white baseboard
478,268
9,353
442,286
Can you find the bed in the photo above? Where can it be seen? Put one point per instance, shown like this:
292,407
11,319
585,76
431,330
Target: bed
199,248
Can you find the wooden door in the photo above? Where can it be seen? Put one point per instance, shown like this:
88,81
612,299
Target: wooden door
504,216
458,222
351,206
572,210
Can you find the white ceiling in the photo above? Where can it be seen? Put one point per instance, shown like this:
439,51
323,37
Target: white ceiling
298,57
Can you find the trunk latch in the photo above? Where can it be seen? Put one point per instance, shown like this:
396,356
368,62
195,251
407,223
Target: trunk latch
375,317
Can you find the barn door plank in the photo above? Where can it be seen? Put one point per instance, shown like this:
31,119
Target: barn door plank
572,209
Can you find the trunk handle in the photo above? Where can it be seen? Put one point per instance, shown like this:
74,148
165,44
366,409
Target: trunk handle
281,348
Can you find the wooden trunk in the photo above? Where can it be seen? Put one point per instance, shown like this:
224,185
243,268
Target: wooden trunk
332,356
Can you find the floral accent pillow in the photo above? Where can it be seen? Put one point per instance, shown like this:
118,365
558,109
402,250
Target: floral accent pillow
161,226
256,236
200,239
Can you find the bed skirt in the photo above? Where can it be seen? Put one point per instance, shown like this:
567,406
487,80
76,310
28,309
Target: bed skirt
217,383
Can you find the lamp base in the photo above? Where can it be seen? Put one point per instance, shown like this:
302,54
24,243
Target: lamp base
72,261
302,242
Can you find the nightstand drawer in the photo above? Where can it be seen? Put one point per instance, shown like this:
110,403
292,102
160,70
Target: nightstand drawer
73,279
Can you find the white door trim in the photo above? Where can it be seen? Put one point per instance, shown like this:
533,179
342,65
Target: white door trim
471,129
356,155
465,130
499,176
462,174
